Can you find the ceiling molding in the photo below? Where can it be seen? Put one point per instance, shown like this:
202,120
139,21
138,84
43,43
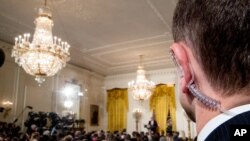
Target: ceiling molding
132,43
156,11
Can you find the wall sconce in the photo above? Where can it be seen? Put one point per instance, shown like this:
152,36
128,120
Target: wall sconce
7,105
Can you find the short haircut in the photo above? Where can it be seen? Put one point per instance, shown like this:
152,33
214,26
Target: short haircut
218,33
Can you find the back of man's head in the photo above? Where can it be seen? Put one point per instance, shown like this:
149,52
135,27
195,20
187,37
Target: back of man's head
218,32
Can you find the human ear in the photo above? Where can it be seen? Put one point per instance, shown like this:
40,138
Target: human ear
181,57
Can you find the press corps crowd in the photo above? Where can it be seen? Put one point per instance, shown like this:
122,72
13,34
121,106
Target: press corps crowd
11,132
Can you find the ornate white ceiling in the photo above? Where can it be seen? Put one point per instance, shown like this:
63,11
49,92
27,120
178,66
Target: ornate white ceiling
106,36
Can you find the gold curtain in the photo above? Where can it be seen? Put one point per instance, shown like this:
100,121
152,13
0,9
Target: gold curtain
117,107
162,102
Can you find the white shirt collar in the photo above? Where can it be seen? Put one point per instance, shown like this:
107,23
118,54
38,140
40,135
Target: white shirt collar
218,120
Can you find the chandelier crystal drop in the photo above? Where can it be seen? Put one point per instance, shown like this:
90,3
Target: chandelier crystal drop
45,55
141,89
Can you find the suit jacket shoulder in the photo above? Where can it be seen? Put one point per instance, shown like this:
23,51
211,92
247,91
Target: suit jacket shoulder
222,132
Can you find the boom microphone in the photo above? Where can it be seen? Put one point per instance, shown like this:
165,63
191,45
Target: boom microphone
29,107
2,57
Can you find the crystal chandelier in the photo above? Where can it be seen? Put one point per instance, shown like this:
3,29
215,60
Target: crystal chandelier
141,88
45,55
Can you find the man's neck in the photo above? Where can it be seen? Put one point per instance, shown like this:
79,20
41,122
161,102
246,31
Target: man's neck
204,114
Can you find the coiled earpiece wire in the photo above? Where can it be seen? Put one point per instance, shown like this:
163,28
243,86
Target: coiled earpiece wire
205,100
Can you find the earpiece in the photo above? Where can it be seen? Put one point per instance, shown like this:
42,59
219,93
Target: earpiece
179,69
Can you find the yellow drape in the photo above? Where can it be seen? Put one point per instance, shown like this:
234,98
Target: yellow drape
162,101
117,107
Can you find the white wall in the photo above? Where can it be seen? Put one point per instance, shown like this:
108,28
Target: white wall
165,76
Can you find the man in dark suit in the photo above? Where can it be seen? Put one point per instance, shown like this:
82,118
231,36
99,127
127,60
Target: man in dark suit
153,125
211,50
